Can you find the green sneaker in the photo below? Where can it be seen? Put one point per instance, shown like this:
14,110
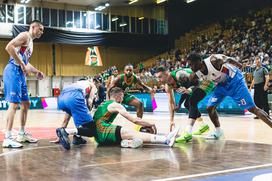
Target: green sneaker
204,128
185,137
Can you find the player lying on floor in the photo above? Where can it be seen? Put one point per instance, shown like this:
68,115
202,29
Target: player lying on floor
110,134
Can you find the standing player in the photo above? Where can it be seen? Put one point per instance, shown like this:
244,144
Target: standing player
108,133
126,81
74,100
192,93
230,82
15,88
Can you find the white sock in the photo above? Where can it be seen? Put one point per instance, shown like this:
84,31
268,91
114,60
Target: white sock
22,130
72,131
217,129
204,122
8,134
189,129
158,139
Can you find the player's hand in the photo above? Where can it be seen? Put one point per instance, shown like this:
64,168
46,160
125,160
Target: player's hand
177,108
23,67
39,75
172,126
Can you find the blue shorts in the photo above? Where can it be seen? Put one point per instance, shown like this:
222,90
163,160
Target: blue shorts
235,88
74,104
15,87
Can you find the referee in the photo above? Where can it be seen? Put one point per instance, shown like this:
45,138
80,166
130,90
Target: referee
261,84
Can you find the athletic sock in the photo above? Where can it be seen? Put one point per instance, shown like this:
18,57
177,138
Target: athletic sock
72,131
189,129
8,134
158,139
217,129
22,130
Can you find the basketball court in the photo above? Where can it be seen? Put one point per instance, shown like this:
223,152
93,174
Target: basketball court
244,153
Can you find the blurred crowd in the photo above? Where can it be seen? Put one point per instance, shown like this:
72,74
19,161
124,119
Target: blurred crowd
243,38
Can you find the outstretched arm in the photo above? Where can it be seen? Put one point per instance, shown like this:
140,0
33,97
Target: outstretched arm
116,107
32,69
171,97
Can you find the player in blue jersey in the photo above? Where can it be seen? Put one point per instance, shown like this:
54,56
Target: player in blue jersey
229,81
15,88
74,100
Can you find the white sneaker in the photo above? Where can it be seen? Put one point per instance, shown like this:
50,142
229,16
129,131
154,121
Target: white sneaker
26,137
171,137
9,143
215,135
134,143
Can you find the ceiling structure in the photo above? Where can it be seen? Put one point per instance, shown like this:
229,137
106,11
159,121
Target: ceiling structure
95,3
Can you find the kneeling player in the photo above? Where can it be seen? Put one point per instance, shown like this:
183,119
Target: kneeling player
74,100
108,133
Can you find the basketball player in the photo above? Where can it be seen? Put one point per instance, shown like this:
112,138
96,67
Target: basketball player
192,93
229,80
108,133
74,100
15,88
126,81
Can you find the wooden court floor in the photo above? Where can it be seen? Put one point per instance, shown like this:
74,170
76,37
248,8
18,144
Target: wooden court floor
246,146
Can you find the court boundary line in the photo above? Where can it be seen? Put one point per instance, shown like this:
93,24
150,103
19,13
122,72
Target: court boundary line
214,173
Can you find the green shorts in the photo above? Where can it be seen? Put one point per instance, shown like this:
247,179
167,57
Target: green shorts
127,98
107,133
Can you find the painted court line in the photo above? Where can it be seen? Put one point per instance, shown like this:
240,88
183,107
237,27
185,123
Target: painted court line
215,173
27,149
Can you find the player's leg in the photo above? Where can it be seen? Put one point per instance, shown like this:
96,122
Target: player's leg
25,104
12,90
133,101
187,133
194,113
129,137
216,98
243,98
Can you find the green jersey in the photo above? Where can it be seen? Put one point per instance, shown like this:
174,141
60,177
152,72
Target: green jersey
205,85
174,75
125,84
102,115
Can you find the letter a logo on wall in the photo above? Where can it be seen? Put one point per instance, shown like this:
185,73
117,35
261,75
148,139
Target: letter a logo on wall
93,57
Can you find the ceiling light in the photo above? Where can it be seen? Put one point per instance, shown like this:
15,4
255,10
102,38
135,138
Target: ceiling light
114,19
99,8
189,1
132,1
107,4
160,1
123,24
141,18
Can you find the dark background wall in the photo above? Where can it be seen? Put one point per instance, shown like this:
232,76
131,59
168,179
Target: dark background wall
183,17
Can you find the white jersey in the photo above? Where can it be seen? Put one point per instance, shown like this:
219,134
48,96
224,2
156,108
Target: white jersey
83,85
218,76
24,52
